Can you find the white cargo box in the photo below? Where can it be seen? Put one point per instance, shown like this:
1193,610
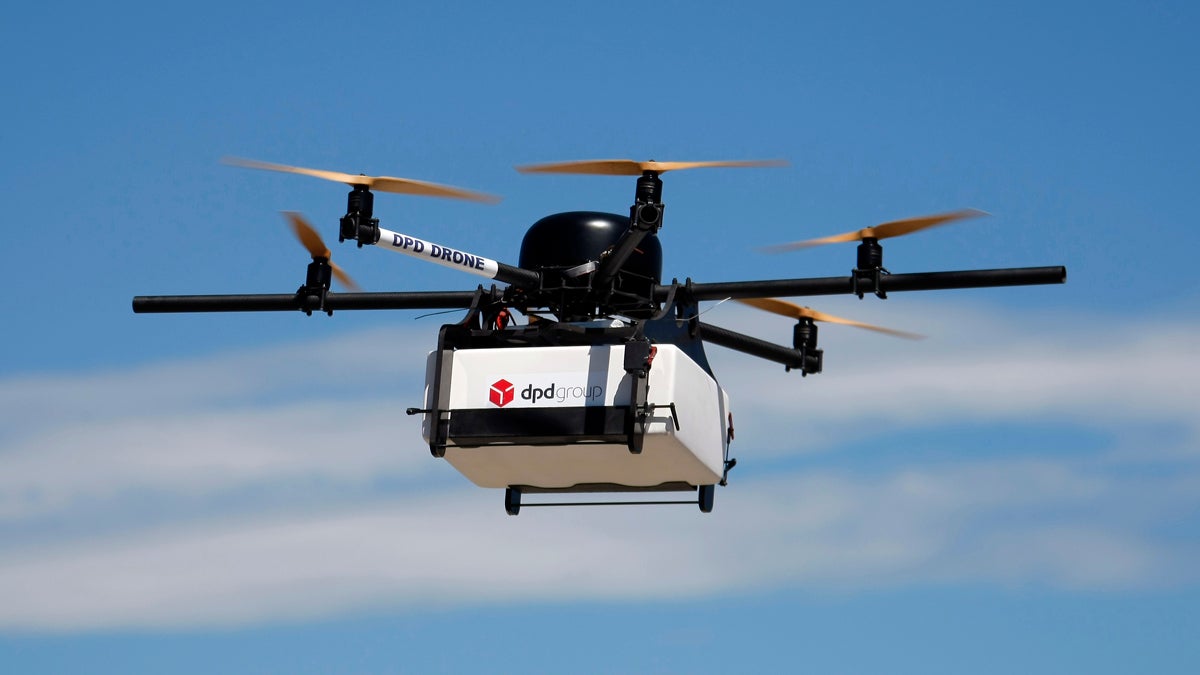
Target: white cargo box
556,418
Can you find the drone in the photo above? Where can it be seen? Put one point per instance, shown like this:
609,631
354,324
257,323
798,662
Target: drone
579,370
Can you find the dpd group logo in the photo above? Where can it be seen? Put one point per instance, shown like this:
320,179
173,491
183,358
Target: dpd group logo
547,393
501,393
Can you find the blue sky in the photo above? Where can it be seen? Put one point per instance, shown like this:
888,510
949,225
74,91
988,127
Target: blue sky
242,493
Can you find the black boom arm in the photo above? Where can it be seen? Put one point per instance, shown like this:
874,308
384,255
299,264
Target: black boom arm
921,281
283,302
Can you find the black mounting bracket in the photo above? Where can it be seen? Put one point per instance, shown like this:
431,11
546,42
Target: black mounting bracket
868,281
729,464
639,355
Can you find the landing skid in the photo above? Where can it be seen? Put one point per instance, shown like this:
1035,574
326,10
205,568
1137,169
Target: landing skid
705,495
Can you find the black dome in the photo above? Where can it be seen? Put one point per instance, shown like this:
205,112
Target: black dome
575,237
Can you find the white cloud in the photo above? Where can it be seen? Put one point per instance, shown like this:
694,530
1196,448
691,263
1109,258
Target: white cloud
1080,370
367,361
208,451
1061,527
251,424
317,411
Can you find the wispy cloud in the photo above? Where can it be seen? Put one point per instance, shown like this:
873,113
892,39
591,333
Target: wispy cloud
243,495
976,367
1046,524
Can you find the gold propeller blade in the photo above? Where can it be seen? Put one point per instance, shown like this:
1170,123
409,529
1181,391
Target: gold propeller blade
794,311
406,186
895,228
307,235
312,241
343,278
629,167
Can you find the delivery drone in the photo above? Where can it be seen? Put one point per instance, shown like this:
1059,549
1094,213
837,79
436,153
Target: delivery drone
601,384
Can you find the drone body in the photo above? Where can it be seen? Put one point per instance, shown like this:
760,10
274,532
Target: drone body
605,386
558,420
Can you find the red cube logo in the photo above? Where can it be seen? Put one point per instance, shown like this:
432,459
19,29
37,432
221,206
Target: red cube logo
501,393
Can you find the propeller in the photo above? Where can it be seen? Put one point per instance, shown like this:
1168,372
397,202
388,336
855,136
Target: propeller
794,311
895,228
384,183
316,247
629,167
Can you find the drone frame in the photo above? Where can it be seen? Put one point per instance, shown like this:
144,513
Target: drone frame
654,312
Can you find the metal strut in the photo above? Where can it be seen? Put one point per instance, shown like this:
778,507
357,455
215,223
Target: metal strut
704,499
639,354
439,420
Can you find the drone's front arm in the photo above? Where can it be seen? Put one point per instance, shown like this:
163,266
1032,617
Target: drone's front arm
455,259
